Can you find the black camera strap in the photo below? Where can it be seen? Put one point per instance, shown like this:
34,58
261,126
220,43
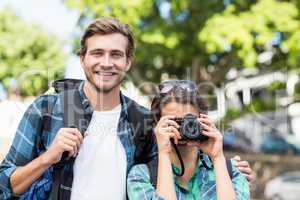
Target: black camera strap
180,159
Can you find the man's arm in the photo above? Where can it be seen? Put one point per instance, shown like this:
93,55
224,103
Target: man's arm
67,139
21,166
23,177
23,148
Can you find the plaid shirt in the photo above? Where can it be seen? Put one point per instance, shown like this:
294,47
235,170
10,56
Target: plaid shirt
201,186
24,148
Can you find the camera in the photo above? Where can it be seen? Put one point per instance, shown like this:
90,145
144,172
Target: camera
190,128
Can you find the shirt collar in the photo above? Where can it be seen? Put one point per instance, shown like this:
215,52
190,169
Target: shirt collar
200,166
205,159
84,100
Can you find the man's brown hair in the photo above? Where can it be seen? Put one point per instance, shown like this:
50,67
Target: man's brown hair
108,25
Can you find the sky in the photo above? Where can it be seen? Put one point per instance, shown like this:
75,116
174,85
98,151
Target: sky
54,17
50,14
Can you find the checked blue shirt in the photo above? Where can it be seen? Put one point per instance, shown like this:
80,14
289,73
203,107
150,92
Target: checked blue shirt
202,186
24,148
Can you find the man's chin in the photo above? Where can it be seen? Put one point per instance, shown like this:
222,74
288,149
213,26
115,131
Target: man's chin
107,87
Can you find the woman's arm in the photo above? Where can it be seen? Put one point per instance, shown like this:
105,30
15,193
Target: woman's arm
223,182
213,147
139,184
164,131
165,183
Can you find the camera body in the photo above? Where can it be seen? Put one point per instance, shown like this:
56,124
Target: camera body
190,128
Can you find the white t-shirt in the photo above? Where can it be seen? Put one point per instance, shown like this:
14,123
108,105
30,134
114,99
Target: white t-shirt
100,167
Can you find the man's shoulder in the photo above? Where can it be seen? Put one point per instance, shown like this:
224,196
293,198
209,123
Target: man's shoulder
46,98
132,103
44,102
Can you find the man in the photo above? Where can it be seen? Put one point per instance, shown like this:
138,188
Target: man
106,152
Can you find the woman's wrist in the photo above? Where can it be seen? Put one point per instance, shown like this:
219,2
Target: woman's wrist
164,154
218,159
164,150
164,158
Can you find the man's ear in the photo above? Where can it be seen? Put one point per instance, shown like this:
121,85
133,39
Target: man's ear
128,65
81,58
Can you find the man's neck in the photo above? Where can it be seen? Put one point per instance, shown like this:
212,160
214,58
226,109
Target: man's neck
102,101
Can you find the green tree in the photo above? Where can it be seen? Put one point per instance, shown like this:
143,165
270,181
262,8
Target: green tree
208,37
28,55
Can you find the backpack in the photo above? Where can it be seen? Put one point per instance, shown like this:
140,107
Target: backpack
139,119
152,168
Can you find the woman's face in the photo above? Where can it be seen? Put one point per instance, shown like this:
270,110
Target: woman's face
178,109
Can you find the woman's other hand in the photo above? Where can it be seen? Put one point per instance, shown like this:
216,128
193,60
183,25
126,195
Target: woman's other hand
213,147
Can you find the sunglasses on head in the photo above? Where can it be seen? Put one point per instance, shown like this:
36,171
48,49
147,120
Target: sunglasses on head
182,85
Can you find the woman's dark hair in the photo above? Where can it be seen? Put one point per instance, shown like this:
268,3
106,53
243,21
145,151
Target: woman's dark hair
161,100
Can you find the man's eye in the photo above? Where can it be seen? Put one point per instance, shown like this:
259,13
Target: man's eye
117,55
97,53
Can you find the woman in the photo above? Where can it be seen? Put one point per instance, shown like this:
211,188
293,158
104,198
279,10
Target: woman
175,100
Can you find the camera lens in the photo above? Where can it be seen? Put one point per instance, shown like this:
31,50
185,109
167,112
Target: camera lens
191,128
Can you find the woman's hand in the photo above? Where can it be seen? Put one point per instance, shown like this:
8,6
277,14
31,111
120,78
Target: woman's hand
166,129
213,147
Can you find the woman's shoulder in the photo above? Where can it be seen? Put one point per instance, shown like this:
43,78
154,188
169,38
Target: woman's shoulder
240,183
139,171
139,167
236,173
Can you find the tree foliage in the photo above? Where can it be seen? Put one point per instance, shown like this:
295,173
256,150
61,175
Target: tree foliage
268,25
204,39
28,55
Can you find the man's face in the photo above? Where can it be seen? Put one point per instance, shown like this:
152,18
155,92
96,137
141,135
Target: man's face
105,61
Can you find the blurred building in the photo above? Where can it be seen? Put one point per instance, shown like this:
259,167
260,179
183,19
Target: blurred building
284,116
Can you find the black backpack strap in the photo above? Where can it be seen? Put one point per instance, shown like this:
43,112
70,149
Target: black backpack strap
229,168
55,185
141,123
66,84
73,111
228,165
45,123
73,116
152,167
